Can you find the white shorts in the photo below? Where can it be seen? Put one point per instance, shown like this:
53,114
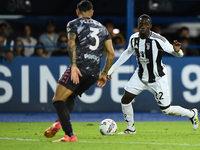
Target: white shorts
160,89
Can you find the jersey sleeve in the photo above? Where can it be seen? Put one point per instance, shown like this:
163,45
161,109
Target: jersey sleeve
167,47
125,55
71,27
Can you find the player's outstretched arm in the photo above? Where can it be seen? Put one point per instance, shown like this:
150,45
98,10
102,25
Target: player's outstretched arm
173,49
75,72
108,63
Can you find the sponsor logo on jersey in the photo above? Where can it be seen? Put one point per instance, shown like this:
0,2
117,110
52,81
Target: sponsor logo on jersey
143,60
94,57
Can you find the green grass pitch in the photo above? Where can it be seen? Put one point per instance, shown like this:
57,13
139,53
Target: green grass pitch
150,136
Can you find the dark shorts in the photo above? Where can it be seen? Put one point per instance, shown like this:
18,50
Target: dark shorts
84,82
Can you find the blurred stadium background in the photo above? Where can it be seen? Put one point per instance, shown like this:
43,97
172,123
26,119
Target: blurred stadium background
28,83
170,15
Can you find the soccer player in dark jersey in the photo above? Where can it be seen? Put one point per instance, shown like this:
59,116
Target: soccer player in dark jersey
86,40
150,74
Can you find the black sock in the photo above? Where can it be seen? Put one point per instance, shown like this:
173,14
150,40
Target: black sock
70,102
63,114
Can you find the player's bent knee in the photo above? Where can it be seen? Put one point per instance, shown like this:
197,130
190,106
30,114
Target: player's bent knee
127,97
167,111
56,99
124,101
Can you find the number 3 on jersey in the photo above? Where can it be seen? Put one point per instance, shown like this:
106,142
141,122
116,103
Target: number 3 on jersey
94,35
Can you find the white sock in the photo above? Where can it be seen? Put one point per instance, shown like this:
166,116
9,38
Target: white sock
180,111
127,110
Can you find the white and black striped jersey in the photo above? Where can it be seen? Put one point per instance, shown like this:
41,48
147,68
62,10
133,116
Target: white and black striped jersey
148,53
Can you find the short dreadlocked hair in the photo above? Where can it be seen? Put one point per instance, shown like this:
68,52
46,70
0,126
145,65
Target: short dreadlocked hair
145,16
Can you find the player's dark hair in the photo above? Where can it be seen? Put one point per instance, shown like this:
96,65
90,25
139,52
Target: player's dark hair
84,6
144,16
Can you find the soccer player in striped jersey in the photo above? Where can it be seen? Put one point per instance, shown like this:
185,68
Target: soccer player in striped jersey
150,74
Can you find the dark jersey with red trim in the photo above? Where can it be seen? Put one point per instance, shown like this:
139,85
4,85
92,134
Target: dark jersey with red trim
90,38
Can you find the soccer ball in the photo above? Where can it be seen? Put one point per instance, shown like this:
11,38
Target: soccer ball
108,127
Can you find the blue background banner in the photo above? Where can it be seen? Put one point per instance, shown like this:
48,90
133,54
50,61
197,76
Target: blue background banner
28,84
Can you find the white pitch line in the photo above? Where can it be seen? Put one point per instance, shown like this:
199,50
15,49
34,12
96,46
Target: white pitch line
18,139
145,143
105,142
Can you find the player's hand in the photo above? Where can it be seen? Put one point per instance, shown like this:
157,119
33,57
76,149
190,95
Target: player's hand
176,46
75,74
101,82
